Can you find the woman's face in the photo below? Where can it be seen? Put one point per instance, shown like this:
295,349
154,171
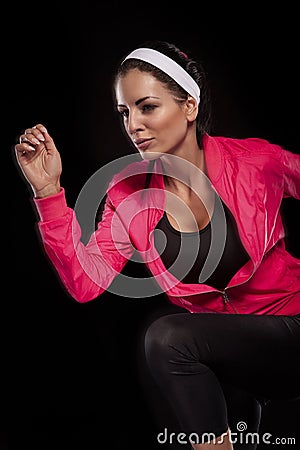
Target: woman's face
153,120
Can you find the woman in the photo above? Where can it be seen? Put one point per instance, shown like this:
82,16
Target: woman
204,214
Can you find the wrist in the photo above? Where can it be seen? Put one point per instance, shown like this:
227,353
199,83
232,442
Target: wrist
46,191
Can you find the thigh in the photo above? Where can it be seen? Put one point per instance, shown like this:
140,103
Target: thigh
257,353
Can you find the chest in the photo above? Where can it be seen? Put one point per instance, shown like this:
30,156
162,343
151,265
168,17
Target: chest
189,212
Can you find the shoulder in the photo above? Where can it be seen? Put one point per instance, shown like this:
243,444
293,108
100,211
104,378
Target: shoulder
251,146
251,154
130,179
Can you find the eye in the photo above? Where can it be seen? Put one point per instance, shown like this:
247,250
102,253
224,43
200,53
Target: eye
148,107
123,112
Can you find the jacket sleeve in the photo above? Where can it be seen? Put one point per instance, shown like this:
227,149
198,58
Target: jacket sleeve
290,163
86,270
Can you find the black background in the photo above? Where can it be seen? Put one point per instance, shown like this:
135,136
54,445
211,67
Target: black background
71,374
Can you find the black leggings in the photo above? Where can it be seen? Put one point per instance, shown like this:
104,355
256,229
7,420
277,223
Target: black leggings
216,370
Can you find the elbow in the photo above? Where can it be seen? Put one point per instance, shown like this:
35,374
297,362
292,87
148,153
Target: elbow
85,296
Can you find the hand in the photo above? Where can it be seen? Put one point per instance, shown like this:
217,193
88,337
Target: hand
39,161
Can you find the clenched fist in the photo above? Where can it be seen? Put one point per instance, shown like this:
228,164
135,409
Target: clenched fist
39,161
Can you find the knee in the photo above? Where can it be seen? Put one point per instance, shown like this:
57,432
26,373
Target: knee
168,339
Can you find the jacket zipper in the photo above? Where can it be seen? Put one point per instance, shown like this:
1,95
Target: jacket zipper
224,292
226,296
227,301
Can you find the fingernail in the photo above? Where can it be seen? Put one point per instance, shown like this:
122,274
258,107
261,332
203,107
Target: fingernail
44,130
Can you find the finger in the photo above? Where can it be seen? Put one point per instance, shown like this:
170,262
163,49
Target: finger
39,138
40,132
48,141
36,133
41,128
23,149
28,138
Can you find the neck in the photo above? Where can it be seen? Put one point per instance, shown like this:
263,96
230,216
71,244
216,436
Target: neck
183,169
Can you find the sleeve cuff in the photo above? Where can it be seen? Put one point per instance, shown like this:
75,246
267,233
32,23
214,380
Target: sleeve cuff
52,207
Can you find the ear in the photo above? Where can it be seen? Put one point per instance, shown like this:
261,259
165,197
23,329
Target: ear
191,108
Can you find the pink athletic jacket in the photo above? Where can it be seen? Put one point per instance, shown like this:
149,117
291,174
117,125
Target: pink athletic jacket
251,176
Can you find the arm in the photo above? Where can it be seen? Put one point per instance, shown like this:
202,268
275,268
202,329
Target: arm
85,270
290,163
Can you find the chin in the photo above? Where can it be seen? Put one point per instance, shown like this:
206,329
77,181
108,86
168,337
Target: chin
150,155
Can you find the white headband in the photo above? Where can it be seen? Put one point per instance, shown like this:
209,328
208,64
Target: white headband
168,66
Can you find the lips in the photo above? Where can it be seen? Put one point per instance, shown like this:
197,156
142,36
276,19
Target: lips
142,143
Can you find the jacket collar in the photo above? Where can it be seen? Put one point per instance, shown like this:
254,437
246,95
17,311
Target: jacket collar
213,158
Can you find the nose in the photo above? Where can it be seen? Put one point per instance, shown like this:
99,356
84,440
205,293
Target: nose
134,123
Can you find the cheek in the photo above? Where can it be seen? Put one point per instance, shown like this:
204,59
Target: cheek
175,129
174,123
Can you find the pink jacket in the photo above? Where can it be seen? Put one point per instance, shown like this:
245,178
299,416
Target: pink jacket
251,176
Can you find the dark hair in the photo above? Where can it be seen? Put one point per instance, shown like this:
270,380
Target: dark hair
190,65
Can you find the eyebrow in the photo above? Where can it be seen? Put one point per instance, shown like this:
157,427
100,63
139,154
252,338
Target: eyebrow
140,100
